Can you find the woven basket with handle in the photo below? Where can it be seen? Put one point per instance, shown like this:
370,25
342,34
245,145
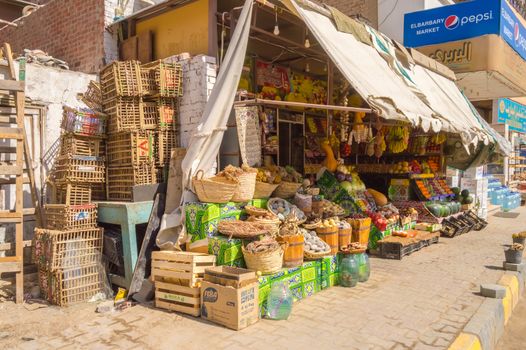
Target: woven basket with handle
216,189
246,187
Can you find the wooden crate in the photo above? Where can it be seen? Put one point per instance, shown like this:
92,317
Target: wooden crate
121,180
70,217
124,114
83,169
80,145
182,268
178,298
98,192
161,112
71,286
166,141
121,78
93,96
72,194
130,148
162,79
86,123
54,249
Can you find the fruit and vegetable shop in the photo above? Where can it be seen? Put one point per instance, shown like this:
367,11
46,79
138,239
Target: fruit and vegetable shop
323,146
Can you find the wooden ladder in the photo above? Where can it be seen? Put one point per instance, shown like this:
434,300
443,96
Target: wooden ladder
8,169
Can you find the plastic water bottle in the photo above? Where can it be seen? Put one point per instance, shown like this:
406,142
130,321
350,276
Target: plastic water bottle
364,267
349,271
279,302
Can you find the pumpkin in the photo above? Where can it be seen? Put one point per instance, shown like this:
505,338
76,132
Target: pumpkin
379,198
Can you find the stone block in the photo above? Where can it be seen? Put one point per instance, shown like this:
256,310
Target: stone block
487,323
492,291
514,267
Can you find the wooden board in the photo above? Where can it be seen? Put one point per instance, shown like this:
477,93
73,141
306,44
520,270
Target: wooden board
148,243
129,49
145,47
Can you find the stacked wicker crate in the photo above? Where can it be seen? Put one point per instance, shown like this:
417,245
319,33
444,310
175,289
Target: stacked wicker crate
68,248
140,102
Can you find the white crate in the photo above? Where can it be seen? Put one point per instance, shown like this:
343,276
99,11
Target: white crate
453,181
474,173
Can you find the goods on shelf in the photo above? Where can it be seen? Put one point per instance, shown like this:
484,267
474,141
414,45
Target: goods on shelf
265,255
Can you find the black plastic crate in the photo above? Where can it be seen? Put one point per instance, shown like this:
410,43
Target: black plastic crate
395,250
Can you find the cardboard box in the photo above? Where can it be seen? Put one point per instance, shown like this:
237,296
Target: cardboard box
452,172
474,173
475,186
453,181
227,251
233,301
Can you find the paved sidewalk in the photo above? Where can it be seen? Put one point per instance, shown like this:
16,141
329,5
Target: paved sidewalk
421,302
514,337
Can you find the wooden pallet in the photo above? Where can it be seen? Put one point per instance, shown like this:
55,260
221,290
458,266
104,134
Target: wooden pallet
182,268
178,298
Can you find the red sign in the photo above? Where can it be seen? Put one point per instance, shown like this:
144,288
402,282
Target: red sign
268,74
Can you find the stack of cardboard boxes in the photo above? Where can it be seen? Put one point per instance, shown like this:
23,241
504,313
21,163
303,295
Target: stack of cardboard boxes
475,182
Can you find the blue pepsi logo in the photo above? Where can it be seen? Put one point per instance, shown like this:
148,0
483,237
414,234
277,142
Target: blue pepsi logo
452,22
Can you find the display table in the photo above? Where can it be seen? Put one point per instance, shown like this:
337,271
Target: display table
127,215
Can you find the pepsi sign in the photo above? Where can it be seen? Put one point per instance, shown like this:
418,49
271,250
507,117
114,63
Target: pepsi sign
450,23
512,30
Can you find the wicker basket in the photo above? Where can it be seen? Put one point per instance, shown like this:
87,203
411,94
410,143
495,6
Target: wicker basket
130,148
121,78
80,145
72,194
83,122
216,189
268,262
71,286
67,249
286,190
122,179
162,79
166,141
161,113
70,217
247,185
93,96
264,190
315,256
82,169
125,114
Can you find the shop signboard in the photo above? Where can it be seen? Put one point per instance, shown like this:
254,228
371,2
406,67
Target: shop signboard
513,114
465,20
449,23
512,30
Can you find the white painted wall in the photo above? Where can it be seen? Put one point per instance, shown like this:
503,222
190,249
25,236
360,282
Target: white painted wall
391,14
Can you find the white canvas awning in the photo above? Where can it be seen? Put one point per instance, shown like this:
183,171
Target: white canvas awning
396,90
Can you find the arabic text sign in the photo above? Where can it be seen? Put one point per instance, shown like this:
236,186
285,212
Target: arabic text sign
513,114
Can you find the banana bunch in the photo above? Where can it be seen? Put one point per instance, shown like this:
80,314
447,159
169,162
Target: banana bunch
439,138
398,139
379,144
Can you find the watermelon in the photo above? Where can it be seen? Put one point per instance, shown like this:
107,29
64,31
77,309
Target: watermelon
445,211
434,209
455,190
464,193
467,200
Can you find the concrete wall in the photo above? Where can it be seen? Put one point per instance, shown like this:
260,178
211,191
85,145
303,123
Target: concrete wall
391,14
71,30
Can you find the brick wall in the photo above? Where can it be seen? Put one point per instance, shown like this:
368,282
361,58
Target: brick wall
199,77
71,30
368,9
